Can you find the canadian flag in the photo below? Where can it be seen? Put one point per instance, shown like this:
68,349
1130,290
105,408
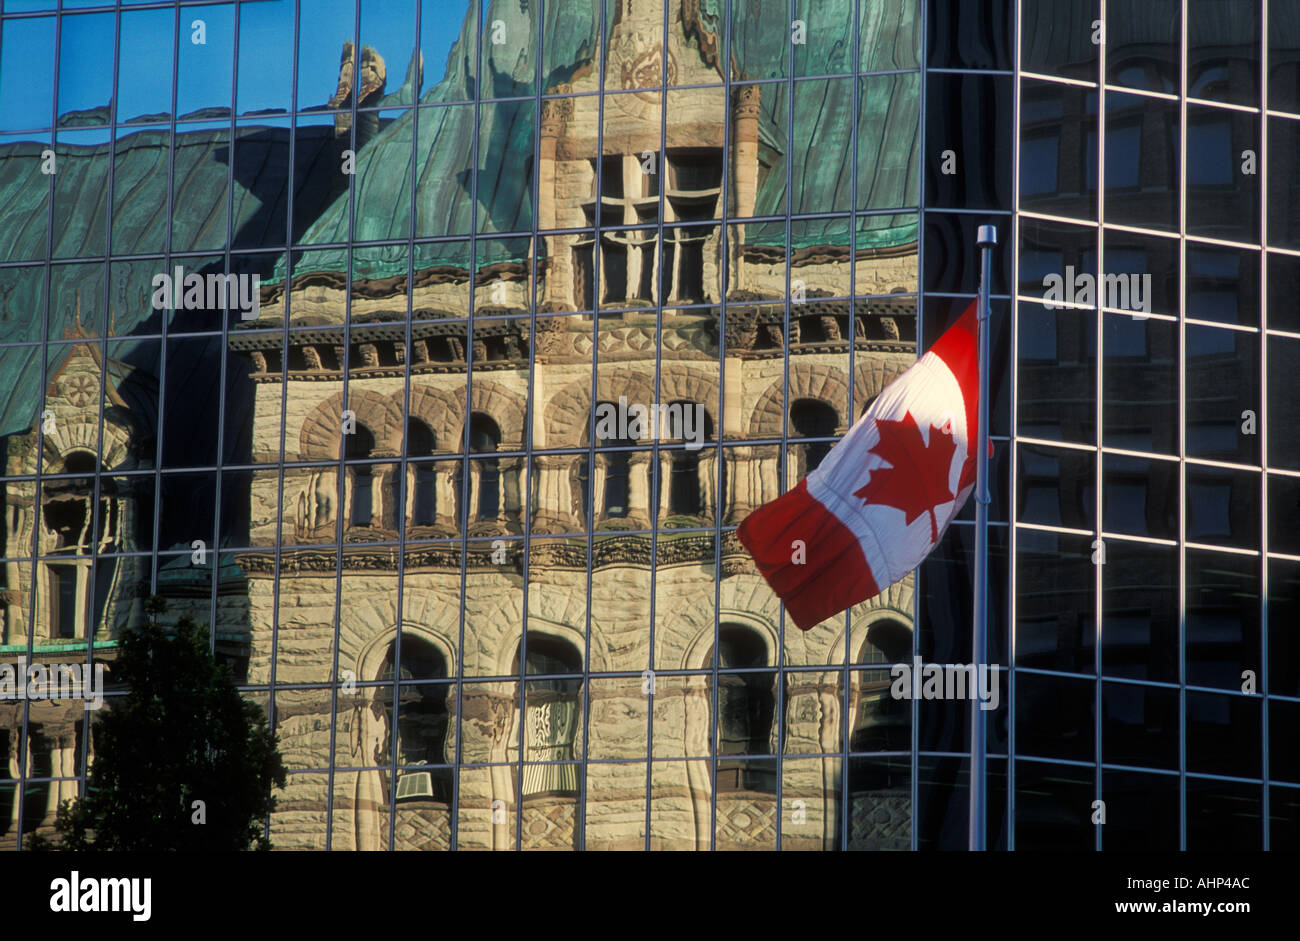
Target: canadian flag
883,496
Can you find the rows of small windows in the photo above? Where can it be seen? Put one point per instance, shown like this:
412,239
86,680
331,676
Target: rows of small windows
431,487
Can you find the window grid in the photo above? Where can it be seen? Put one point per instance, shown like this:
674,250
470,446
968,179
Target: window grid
395,470
1182,459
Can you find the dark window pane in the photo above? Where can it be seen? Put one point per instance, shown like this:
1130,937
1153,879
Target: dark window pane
1139,596
1057,487
1139,725
1222,199
1283,183
943,802
952,264
1222,382
1140,497
1140,383
1058,140
1223,736
1058,39
1142,38
1284,818
1222,627
1053,250
186,511
1155,263
972,116
1223,816
192,402
1283,633
969,35
1055,717
1284,732
945,614
881,722
1057,376
1141,161
1223,51
1142,811
1222,284
1054,807
1283,403
1283,56
1055,610
1222,507
1283,289
1284,514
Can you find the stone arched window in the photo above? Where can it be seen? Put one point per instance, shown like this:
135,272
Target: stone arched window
685,494
421,715
745,710
422,501
360,446
617,489
552,707
485,438
880,722
812,418
74,532
66,507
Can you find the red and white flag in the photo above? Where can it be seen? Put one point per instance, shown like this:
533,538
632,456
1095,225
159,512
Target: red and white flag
879,501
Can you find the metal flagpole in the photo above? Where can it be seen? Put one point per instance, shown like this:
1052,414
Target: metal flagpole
987,240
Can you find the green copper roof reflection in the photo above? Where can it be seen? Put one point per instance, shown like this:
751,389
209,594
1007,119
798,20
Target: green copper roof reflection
140,222
889,110
436,152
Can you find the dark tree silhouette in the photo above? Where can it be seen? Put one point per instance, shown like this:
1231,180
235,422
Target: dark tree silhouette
182,734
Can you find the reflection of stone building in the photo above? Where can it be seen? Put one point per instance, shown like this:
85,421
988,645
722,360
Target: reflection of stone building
80,586
432,428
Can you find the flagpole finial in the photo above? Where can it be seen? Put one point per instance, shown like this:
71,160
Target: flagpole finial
988,235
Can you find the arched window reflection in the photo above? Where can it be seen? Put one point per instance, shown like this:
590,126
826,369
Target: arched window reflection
812,418
551,715
422,719
881,722
423,502
616,493
746,710
359,446
485,438
70,604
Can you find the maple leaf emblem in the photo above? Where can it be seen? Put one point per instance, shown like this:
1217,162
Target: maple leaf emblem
916,480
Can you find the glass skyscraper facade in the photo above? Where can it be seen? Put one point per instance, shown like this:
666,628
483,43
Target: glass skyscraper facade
1156,581
431,352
